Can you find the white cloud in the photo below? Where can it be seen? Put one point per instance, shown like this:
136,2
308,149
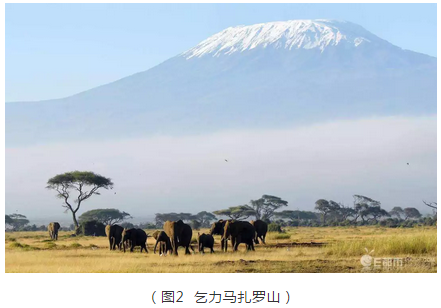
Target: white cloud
301,165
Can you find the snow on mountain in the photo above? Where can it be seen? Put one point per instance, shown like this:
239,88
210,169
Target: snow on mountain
293,34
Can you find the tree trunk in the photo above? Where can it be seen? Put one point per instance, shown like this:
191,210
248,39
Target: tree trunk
77,227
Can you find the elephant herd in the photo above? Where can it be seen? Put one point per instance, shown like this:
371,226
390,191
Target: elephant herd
179,234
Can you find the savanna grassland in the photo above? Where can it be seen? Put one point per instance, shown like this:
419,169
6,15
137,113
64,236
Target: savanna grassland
297,250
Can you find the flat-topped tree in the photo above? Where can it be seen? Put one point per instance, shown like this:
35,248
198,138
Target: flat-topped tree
104,216
80,185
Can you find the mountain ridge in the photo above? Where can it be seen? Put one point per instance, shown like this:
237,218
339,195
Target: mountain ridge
252,88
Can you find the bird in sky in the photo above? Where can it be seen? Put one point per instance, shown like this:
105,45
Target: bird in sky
408,164
226,161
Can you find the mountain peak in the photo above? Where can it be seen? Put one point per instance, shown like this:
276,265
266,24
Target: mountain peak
292,34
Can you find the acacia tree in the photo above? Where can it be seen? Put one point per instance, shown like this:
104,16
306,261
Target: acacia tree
16,221
160,218
82,184
396,211
265,207
362,206
105,216
411,212
432,205
204,218
292,216
326,207
236,212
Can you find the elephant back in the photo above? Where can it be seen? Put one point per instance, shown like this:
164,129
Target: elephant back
169,228
260,226
140,236
185,235
243,228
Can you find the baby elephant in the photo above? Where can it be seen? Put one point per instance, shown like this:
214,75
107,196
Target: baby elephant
205,240
164,243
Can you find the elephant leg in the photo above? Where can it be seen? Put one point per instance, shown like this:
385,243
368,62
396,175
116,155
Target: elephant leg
235,241
175,247
252,246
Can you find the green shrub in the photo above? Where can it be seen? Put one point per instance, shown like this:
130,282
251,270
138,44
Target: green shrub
93,228
15,245
75,245
22,246
273,227
50,245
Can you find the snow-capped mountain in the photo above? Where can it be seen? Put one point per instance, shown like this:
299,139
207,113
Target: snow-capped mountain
293,34
275,74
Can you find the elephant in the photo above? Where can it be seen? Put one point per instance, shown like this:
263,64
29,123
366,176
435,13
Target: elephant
261,230
53,228
114,234
217,228
164,242
205,240
180,235
137,237
240,232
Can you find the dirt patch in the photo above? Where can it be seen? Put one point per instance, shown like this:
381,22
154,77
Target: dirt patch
275,266
296,244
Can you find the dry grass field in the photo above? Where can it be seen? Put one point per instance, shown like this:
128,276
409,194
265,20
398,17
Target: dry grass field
289,252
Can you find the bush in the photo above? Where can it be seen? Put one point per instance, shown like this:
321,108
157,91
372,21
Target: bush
75,245
50,245
274,227
15,245
93,228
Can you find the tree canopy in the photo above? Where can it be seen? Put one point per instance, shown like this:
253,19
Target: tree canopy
411,212
16,221
160,218
80,185
105,216
236,212
397,211
296,215
262,208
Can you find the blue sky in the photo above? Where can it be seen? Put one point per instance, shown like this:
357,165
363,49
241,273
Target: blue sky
55,50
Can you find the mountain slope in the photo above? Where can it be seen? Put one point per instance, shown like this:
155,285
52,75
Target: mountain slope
259,76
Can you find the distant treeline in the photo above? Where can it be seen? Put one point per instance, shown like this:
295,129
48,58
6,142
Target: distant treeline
365,211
